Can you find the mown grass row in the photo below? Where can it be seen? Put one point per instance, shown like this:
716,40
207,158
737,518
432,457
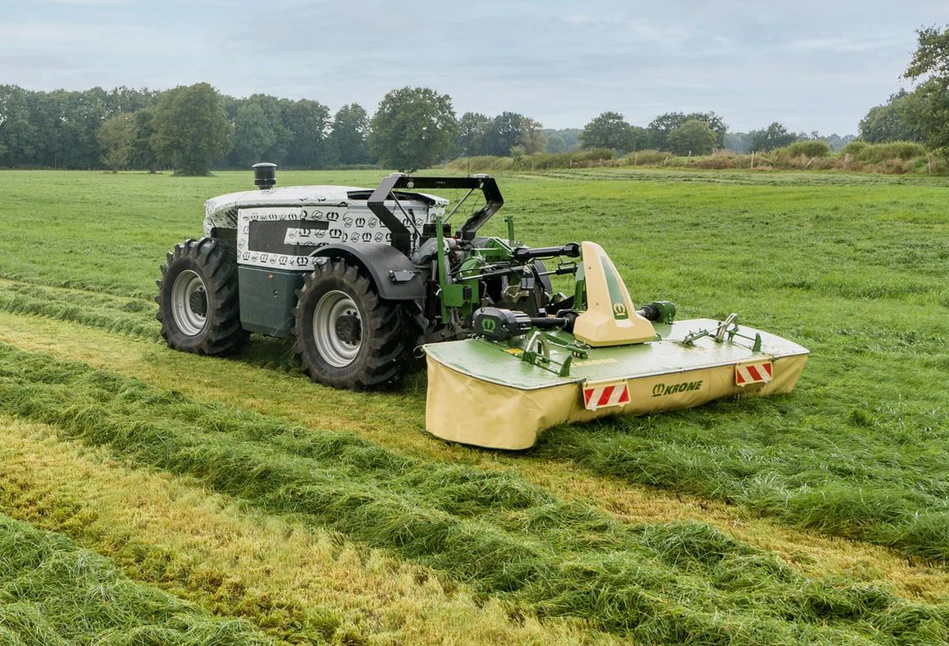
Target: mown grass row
841,484
296,583
52,593
133,316
659,583
396,420
733,176
850,479
844,493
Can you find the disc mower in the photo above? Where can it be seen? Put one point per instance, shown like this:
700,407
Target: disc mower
365,281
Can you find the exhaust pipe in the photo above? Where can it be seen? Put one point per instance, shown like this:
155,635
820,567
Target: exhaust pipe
265,175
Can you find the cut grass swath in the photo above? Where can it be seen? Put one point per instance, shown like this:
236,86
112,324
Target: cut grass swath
870,475
133,316
395,421
299,584
53,593
666,583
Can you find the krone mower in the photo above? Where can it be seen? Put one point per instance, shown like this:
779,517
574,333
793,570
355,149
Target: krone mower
363,280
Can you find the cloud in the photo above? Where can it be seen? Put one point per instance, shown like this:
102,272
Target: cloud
34,63
639,30
847,44
90,3
94,41
45,35
809,63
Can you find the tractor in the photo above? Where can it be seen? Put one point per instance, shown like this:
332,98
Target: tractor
358,278
366,281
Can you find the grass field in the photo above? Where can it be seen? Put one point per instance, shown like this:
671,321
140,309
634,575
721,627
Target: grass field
232,499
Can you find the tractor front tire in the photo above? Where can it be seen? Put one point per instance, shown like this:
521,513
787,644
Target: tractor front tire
197,298
346,335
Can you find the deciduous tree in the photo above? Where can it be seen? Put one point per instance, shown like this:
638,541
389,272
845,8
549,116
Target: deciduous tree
555,144
663,125
503,134
930,67
191,129
693,137
413,128
259,131
608,130
141,151
774,136
896,120
307,122
472,130
17,132
347,142
116,136
533,140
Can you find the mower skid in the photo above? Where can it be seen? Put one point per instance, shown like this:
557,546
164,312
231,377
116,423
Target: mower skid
482,395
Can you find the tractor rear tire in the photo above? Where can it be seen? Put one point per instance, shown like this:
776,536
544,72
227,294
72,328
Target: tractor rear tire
346,335
197,298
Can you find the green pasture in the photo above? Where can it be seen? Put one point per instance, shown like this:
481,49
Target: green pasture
853,267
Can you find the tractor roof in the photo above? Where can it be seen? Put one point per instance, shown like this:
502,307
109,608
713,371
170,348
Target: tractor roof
303,196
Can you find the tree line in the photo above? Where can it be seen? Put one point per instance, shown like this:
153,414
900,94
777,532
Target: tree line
917,116
921,115
192,129
186,128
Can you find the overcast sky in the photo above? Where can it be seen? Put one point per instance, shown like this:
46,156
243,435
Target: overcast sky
812,65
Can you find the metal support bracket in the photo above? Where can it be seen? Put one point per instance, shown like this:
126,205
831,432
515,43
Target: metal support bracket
726,331
537,353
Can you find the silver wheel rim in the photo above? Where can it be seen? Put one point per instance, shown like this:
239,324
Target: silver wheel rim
188,286
331,308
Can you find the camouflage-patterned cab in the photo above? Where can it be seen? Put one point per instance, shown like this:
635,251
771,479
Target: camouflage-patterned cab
337,268
277,231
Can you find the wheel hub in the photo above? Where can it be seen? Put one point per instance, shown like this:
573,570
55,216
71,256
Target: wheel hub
189,303
199,302
337,329
348,328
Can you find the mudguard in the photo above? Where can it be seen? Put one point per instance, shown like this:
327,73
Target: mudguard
393,274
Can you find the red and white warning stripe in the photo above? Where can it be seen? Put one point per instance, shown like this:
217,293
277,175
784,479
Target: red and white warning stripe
759,372
605,395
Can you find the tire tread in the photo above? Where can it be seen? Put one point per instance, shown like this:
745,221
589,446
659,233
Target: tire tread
216,261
